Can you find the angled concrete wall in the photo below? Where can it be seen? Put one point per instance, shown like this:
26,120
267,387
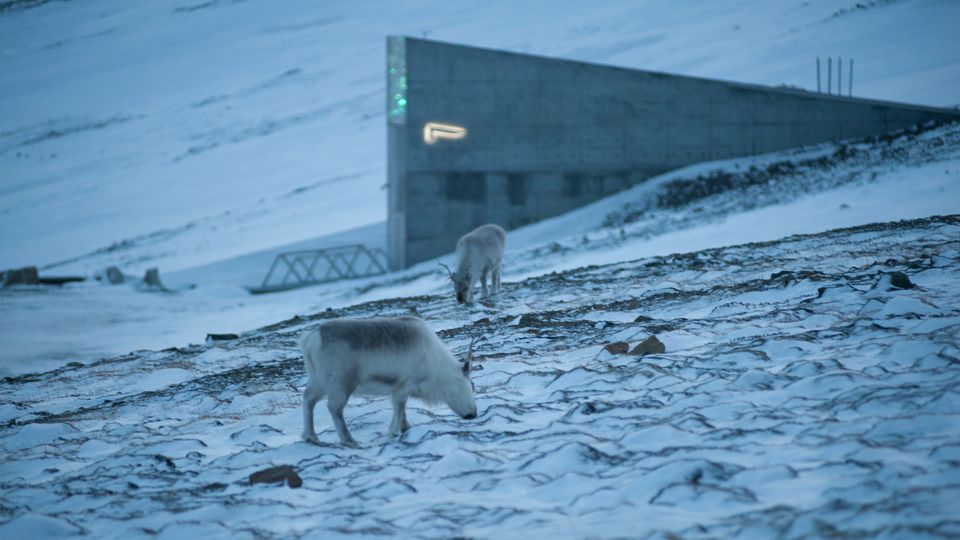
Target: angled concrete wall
544,136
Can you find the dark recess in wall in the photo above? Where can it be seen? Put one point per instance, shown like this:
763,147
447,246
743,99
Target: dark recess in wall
466,186
517,189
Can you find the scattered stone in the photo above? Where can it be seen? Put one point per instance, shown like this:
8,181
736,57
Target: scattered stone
278,474
113,275
528,319
643,318
221,337
889,281
165,460
74,365
152,278
60,280
21,276
784,278
620,347
901,281
651,345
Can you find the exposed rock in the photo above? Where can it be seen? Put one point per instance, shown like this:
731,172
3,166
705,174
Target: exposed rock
21,276
651,345
60,280
160,458
278,474
889,281
620,347
113,275
221,337
784,278
528,319
152,278
901,281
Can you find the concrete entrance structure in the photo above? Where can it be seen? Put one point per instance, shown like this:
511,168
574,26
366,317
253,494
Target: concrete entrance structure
477,135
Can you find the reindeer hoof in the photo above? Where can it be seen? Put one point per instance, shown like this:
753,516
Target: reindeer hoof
310,438
350,444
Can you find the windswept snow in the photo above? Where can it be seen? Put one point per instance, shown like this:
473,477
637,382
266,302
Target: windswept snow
801,395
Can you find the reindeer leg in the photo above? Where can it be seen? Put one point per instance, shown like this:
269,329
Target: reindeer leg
399,423
311,395
404,425
496,280
335,404
483,283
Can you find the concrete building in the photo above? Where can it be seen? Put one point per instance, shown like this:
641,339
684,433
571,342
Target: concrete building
478,135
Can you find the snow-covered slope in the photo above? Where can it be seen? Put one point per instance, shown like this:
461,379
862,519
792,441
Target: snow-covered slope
801,395
182,132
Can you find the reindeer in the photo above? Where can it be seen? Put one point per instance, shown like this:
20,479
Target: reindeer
400,357
479,253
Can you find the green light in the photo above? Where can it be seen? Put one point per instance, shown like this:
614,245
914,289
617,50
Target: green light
396,81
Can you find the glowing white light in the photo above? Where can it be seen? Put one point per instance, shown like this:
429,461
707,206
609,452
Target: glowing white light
432,131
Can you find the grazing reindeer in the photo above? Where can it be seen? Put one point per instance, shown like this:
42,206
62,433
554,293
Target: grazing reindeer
398,357
479,253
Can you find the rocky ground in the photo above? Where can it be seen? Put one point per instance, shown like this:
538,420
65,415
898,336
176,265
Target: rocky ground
809,388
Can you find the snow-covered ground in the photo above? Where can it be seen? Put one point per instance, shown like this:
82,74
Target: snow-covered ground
800,395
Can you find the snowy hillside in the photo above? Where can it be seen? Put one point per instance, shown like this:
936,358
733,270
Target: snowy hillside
805,391
176,133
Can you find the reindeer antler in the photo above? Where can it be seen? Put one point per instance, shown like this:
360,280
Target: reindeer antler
467,364
448,270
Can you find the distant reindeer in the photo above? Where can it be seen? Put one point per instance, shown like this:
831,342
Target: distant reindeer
400,357
479,253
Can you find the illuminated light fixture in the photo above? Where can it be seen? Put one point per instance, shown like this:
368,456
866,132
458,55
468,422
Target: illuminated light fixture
432,131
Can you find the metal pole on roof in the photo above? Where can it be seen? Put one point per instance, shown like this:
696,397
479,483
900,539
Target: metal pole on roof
829,74
818,74
850,84
839,76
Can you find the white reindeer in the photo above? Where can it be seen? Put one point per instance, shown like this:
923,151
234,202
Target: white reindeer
479,253
400,357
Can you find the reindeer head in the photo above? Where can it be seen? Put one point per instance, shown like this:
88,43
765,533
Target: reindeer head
462,285
460,397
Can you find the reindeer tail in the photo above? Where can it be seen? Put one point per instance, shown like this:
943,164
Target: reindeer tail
309,342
